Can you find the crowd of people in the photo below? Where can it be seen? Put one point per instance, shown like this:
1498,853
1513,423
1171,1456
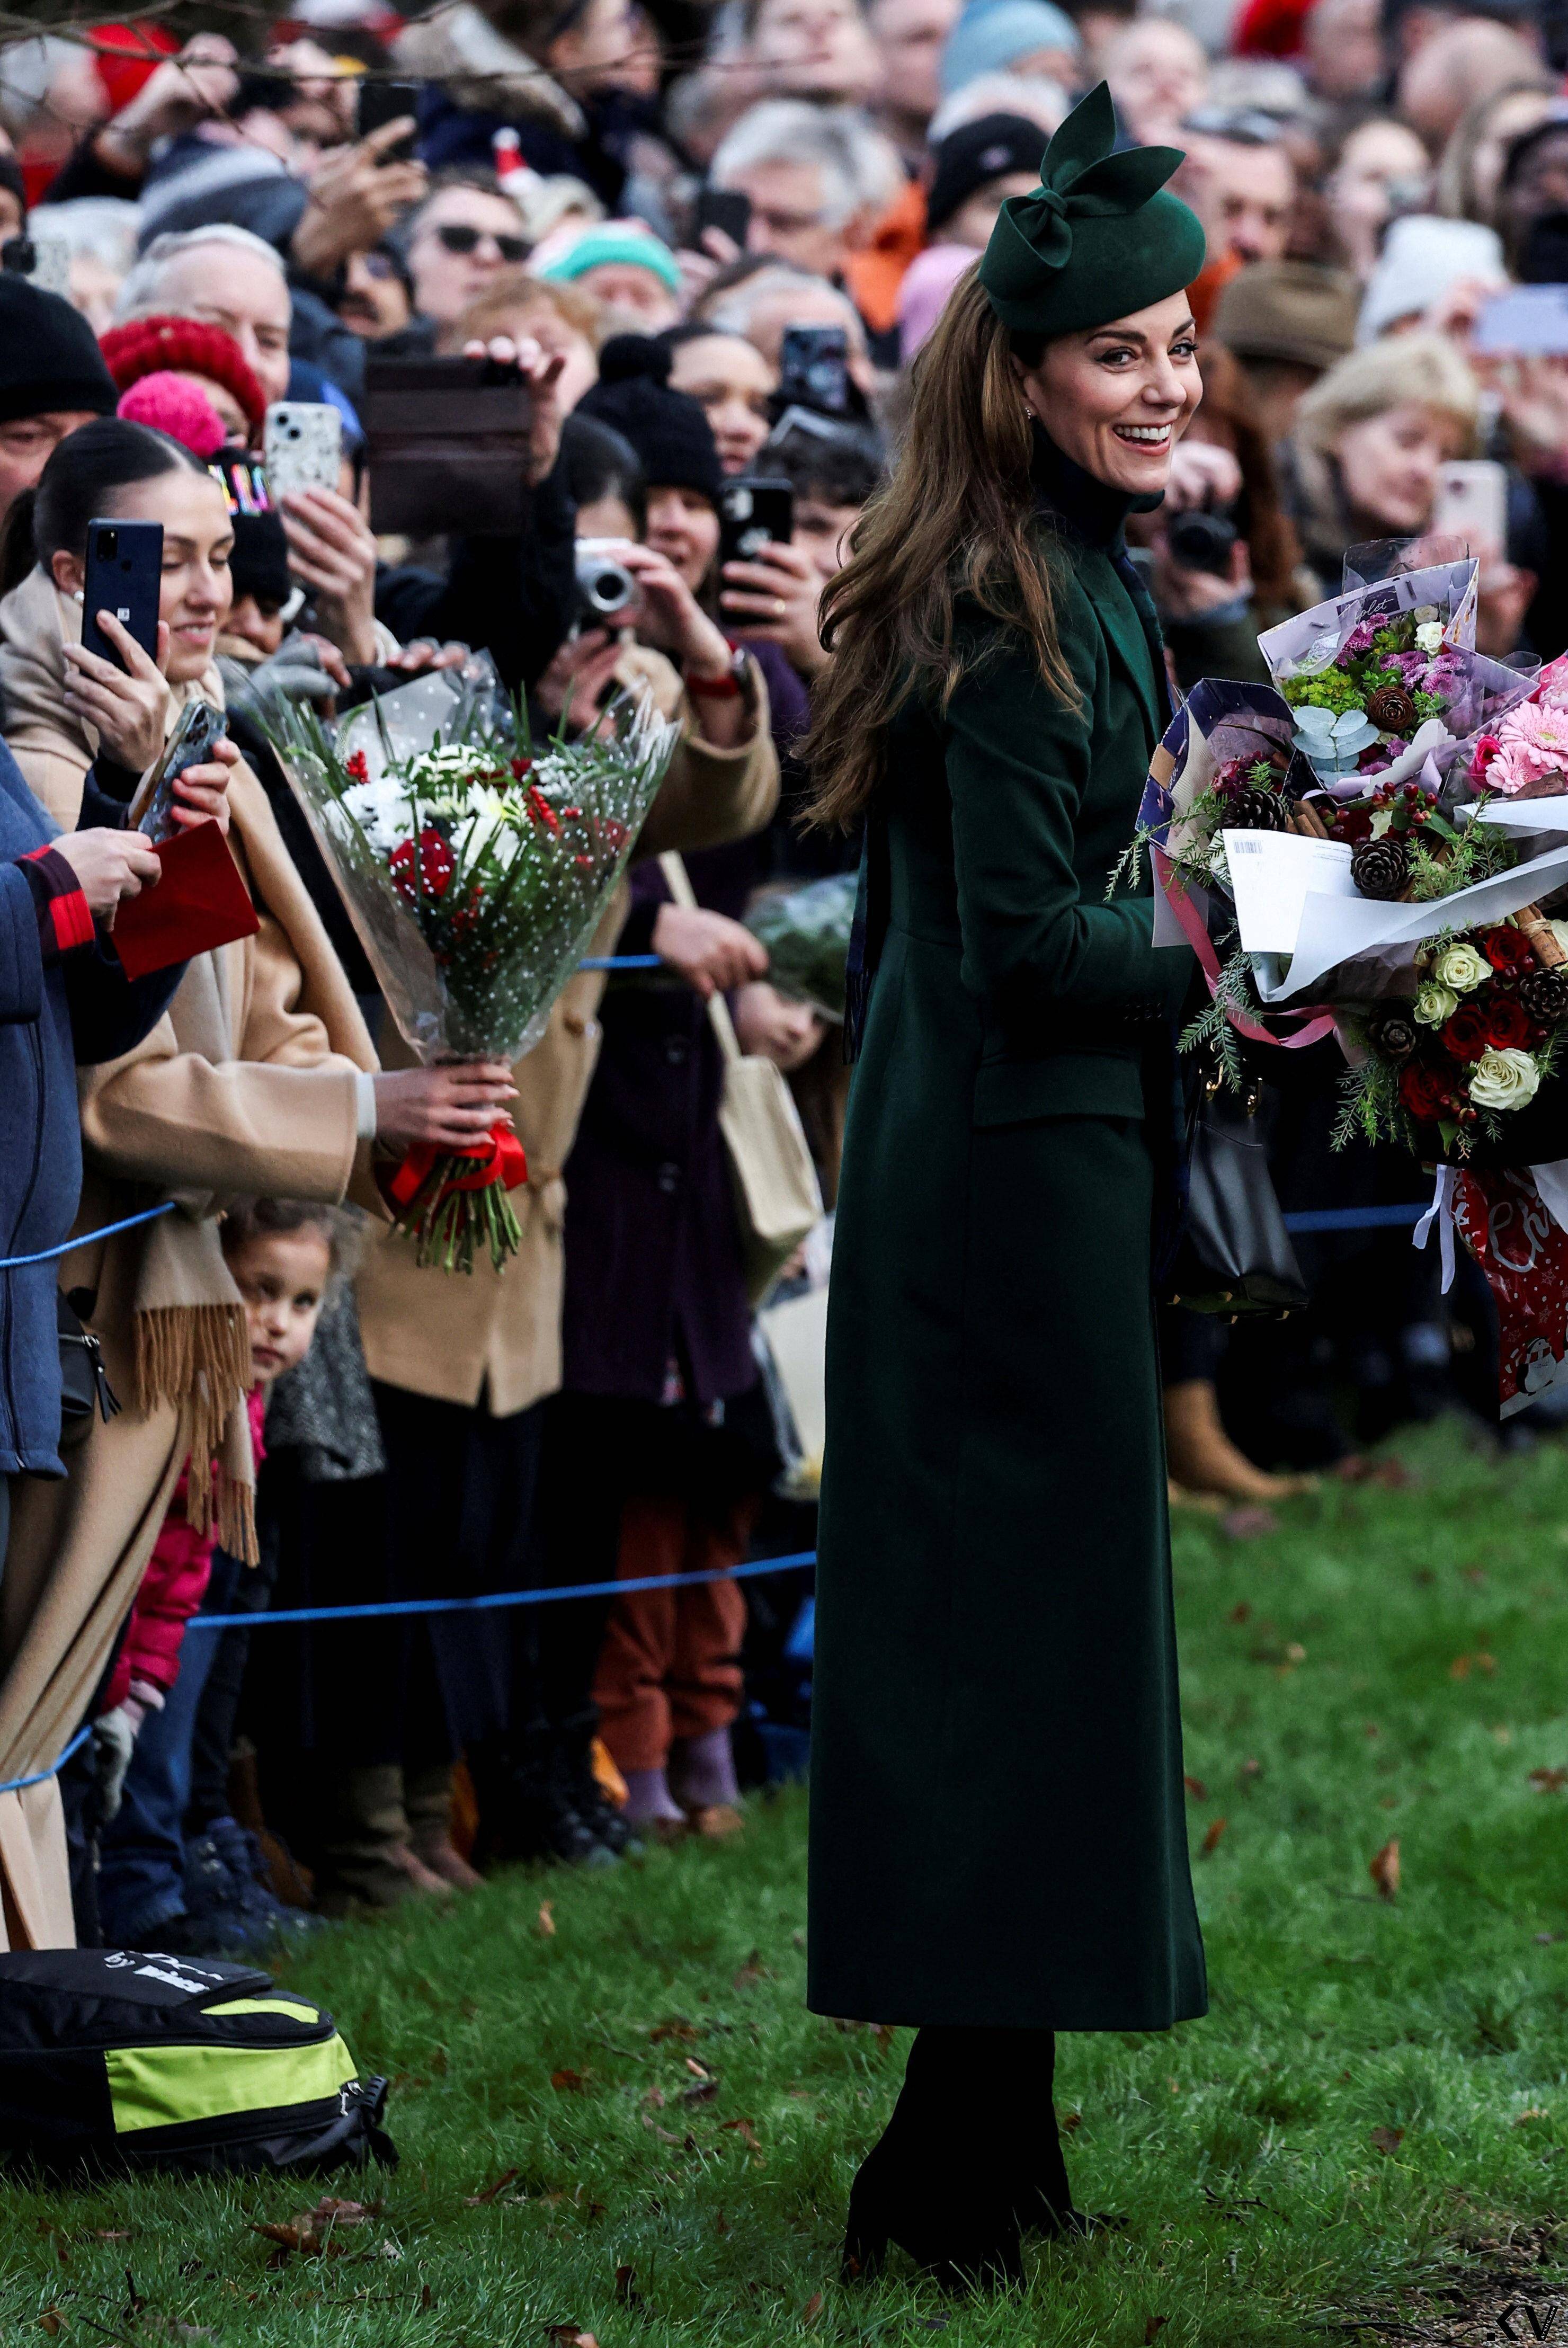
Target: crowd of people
710,242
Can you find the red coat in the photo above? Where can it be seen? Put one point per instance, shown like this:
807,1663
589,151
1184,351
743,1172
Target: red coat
172,1589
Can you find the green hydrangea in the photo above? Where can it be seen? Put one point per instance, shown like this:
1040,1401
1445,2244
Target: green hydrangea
1331,689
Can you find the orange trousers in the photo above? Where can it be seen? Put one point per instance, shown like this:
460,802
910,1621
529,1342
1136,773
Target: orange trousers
669,1667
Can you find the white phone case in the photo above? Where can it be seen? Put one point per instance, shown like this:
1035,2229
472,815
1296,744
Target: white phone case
302,446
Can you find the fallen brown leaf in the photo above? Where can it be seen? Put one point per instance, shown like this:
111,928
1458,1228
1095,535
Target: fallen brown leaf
1067,2121
698,2070
570,2335
676,2026
488,2192
752,1972
1459,1669
1388,2139
1383,1869
50,2321
547,1919
654,2101
625,2294
883,2031
569,2083
745,2130
1240,1613
1211,1845
1196,1787
1534,2112
662,2133
812,2309
1153,2328
1548,1781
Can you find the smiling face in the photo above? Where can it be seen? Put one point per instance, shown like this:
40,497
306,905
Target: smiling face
684,527
197,587
1117,400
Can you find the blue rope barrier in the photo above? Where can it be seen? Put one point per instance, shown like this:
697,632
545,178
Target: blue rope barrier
85,1239
1355,1218
621,962
20,1785
499,1598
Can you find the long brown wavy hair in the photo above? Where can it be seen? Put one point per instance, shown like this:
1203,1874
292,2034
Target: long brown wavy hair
958,518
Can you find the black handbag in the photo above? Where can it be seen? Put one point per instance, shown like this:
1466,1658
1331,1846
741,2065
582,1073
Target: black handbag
1234,1254
84,1382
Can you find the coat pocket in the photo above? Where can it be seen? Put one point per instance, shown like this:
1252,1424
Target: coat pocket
1059,1084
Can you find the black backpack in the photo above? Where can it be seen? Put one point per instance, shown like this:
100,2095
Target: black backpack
116,2060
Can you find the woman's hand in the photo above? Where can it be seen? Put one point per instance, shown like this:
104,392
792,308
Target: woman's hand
1202,474
710,950
109,865
331,548
670,617
541,372
129,707
449,1107
201,793
770,1026
355,196
577,676
775,596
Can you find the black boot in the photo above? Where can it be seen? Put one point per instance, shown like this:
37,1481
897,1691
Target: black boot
525,1810
574,1749
938,2184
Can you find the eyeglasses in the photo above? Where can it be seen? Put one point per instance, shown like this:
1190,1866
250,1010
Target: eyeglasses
457,237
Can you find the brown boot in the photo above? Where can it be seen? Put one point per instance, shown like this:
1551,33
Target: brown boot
1202,1457
427,1799
366,1858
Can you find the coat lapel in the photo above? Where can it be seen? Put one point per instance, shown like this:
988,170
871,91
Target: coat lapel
1123,633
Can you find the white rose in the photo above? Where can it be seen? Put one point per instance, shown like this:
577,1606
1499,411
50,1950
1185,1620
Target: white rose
1461,968
1504,1079
1560,931
1434,1004
1429,637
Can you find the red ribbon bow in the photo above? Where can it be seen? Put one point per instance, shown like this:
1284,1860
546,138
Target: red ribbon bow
501,1160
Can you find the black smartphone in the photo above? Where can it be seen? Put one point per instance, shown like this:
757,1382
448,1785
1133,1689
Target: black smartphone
814,369
381,102
199,727
726,208
124,572
753,512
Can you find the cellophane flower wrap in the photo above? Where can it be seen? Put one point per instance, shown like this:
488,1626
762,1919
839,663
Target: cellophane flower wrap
476,867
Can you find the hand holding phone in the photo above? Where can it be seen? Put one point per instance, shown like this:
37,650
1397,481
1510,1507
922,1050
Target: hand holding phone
302,446
128,705
754,509
192,745
814,369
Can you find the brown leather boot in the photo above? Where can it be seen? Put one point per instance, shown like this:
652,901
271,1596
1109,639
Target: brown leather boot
366,1860
428,1799
1202,1457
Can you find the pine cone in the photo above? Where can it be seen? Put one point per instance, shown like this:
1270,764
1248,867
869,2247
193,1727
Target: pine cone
1545,995
1392,1034
1252,809
1380,868
1391,710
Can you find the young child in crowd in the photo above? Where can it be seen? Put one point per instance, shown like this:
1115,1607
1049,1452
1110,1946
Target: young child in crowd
156,1890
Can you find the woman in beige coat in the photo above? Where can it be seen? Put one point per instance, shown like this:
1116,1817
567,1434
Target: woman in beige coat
259,1079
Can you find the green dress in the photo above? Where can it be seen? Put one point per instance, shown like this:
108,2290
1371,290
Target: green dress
997,1826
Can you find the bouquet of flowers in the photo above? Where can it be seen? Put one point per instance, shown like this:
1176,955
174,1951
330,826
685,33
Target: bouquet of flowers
475,868
1480,1029
1525,756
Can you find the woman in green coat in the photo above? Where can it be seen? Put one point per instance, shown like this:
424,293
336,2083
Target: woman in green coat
998,1847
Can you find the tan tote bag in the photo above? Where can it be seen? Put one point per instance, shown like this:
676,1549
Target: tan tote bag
777,1194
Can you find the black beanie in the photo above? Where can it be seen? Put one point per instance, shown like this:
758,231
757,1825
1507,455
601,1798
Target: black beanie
672,436
974,155
259,564
49,359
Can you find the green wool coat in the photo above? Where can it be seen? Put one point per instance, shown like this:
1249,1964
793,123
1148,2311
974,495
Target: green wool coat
997,1828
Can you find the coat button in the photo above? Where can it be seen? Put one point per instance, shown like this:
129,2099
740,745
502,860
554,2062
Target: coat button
677,1051
669,1178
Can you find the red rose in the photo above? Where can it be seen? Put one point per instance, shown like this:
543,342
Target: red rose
1427,1090
1508,1024
435,867
1508,950
1486,749
1469,1032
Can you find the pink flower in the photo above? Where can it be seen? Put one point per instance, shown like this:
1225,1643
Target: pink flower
1506,774
1486,748
1551,685
1535,743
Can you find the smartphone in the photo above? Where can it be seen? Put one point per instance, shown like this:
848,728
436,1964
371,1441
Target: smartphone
814,369
381,102
1528,321
1471,504
152,809
124,574
303,445
725,208
753,512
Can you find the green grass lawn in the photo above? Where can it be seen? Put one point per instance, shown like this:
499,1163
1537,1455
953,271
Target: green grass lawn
1370,2125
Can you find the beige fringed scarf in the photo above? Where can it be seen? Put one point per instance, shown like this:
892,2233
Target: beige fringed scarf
279,1005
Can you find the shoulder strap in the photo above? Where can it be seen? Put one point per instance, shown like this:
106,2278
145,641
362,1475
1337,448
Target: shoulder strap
677,881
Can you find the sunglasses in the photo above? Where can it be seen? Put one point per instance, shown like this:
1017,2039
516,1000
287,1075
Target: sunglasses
456,238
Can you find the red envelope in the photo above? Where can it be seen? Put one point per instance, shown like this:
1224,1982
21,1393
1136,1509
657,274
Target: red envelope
199,902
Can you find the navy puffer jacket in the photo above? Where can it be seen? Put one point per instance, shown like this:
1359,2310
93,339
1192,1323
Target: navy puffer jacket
52,1016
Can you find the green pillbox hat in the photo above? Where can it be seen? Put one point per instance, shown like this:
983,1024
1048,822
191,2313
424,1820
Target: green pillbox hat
1098,237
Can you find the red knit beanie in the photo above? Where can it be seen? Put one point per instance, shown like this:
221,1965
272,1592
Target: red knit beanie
173,346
